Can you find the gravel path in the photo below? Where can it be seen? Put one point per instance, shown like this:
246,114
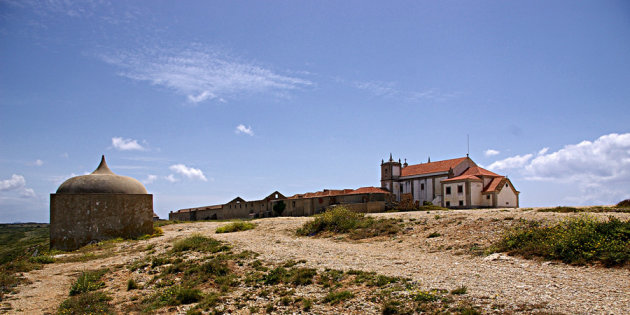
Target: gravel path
441,263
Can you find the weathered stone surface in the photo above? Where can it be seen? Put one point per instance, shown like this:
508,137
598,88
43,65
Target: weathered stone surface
99,206
78,219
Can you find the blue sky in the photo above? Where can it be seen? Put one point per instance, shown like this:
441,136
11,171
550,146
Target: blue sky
204,101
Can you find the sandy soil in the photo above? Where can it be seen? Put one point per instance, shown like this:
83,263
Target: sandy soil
446,261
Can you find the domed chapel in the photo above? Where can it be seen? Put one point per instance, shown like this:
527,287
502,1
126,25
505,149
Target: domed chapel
99,206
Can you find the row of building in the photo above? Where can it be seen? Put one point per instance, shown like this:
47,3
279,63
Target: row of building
454,183
365,199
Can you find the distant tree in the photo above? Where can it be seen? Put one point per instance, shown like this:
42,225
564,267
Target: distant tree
279,207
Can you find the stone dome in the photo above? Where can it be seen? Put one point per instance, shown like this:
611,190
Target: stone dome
102,181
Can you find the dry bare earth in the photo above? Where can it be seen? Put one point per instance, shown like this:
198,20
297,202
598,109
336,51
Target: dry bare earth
444,262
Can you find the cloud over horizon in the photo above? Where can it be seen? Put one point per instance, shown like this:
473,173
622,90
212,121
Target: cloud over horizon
16,184
600,169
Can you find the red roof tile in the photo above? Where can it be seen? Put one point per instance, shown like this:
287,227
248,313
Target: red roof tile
478,171
338,192
494,184
462,177
431,167
369,190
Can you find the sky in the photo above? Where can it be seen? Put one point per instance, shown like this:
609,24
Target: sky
203,101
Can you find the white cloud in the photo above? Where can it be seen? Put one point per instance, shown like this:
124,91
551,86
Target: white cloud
189,172
242,129
171,178
126,144
599,170
16,184
150,179
517,161
39,162
13,183
491,152
201,73
605,159
28,193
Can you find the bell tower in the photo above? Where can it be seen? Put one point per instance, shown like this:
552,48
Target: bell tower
390,172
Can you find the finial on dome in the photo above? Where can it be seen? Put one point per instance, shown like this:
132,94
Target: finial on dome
103,168
390,157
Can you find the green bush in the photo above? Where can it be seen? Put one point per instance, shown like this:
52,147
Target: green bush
131,285
335,297
575,241
88,281
235,227
199,243
460,290
302,276
341,220
42,259
87,303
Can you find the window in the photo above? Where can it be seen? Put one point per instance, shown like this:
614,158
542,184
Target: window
276,196
460,189
421,186
461,202
488,197
448,190
448,203
294,204
506,186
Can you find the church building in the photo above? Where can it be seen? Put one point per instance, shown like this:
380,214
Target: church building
454,183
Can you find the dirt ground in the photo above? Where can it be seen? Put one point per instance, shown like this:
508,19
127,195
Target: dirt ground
448,260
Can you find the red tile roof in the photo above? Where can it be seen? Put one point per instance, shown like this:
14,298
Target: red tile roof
462,177
494,184
369,190
338,192
431,167
478,171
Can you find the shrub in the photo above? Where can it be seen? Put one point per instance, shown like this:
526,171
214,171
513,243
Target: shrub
210,300
87,303
131,285
199,243
624,204
391,307
88,281
42,259
339,296
235,227
306,304
424,296
341,220
302,276
434,234
187,295
460,290
575,241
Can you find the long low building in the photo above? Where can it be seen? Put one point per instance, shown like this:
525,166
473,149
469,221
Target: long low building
365,199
